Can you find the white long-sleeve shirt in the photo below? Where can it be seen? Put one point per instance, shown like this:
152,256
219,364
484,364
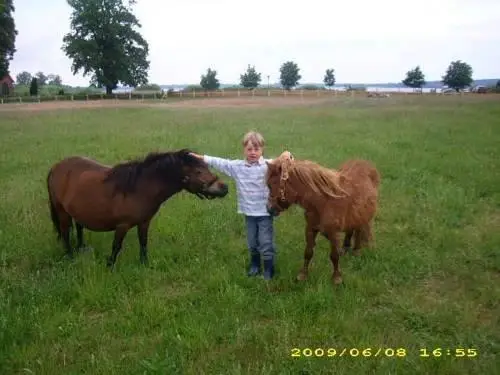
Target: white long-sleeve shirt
251,188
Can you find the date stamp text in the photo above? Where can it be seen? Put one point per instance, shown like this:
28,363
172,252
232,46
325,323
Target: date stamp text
383,352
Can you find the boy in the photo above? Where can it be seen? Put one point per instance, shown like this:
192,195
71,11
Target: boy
249,175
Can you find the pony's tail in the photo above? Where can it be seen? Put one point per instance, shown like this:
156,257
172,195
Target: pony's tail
53,211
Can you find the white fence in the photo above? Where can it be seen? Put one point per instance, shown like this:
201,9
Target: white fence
151,95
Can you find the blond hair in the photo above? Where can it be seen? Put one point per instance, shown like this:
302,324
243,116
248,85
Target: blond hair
254,138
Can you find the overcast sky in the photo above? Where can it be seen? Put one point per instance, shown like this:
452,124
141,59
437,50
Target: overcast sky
363,40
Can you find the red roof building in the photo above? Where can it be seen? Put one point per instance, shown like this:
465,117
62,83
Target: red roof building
6,85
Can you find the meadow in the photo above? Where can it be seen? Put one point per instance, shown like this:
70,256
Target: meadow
424,300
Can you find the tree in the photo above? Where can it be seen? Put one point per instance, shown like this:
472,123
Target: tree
289,76
414,78
209,81
104,43
41,79
8,35
54,79
458,75
34,87
329,79
23,78
250,79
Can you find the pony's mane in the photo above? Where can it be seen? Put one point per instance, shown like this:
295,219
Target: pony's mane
127,174
314,176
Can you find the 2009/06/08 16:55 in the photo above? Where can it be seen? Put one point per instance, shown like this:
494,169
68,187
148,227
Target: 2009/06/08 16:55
386,352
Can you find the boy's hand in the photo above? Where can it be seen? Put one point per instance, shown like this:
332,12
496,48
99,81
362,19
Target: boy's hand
287,155
196,155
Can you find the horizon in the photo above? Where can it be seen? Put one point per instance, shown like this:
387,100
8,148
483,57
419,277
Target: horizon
319,83
375,45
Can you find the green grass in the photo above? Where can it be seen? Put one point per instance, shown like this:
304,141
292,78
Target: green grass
433,280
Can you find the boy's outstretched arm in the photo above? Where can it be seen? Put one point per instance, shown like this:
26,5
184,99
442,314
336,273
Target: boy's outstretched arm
223,165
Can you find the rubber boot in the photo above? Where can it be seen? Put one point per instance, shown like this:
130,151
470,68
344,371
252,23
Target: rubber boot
268,269
254,269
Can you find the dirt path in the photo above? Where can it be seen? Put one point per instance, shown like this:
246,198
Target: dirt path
256,102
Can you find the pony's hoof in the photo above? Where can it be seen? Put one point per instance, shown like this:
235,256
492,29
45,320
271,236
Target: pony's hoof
337,280
301,276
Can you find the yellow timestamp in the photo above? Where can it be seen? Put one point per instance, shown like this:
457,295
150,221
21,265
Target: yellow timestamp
348,352
382,352
447,352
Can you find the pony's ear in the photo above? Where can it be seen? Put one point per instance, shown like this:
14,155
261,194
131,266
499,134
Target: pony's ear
183,152
186,157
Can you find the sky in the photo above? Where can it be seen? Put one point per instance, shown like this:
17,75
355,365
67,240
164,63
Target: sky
365,41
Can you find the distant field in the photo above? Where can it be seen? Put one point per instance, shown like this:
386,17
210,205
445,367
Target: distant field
432,282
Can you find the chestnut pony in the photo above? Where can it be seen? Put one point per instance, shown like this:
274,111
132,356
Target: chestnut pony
334,201
101,198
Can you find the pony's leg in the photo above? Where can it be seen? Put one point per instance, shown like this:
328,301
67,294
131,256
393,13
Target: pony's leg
65,226
359,237
347,242
142,233
311,234
80,245
369,235
334,257
79,235
120,233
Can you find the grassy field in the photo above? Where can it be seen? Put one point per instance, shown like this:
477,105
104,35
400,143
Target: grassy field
433,280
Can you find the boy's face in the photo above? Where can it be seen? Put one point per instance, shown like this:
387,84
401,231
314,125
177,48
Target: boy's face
252,152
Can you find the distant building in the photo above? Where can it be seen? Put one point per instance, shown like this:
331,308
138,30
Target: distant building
6,85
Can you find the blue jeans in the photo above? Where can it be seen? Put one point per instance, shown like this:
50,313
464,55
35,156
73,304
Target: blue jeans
260,236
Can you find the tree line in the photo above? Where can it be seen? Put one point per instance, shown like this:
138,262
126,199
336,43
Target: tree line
457,76
105,44
25,78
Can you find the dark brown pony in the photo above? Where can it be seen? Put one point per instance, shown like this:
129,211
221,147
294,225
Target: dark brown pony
102,198
334,201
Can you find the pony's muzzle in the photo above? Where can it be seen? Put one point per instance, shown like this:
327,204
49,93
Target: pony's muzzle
272,210
216,189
